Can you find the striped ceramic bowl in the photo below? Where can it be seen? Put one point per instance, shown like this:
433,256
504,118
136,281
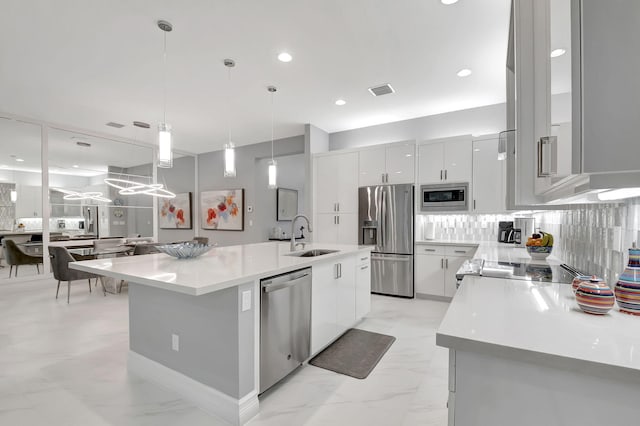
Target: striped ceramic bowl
577,280
595,296
628,286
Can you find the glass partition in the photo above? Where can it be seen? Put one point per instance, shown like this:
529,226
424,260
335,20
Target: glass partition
86,175
20,189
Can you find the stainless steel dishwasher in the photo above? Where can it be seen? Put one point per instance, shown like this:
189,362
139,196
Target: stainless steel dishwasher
285,325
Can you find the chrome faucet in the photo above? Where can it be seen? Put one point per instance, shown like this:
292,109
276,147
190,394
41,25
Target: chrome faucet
293,235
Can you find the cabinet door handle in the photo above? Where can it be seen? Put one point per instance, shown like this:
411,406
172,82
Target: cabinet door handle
339,270
474,204
335,222
442,263
364,267
446,263
383,178
338,217
445,174
460,251
362,259
429,249
441,174
387,177
338,204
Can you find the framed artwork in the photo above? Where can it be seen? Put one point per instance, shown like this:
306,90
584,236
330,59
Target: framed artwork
175,213
222,210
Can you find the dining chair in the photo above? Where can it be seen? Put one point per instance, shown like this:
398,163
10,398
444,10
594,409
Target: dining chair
16,257
60,259
201,240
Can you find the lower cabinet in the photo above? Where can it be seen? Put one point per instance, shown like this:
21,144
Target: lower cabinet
436,268
340,296
363,286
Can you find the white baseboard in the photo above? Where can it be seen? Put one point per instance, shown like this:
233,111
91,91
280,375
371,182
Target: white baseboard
235,411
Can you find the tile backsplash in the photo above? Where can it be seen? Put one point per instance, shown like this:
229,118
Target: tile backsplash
594,237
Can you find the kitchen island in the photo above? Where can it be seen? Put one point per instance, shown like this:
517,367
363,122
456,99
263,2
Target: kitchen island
524,353
194,324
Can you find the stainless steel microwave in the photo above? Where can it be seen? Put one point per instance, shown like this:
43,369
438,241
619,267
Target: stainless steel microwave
444,197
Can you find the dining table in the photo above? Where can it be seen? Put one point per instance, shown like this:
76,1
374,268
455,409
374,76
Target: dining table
110,285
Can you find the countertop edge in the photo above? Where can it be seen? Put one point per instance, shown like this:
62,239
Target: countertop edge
547,359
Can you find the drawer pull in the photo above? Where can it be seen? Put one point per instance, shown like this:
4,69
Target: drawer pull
363,258
459,251
364,267
429,249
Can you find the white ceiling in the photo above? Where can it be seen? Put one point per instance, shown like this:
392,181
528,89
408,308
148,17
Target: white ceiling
86,63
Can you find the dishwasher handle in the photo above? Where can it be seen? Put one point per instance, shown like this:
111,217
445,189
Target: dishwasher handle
279,286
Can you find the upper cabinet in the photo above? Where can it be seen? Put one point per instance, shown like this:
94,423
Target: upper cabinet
573,98
336,183
488,177
445,160
390,164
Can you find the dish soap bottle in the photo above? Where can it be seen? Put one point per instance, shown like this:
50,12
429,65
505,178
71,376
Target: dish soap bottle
628,287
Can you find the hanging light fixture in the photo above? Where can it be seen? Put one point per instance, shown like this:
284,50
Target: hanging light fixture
165,154
273,168
229,147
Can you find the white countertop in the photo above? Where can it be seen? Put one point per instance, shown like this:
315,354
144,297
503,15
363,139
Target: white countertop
495,251
220,268
539,320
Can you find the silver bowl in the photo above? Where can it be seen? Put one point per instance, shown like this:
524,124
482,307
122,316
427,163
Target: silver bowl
185,250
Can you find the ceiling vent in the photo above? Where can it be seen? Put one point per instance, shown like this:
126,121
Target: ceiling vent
83,144
116,125
142,124
383,89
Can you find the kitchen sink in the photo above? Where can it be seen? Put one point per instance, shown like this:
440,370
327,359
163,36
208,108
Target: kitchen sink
313,253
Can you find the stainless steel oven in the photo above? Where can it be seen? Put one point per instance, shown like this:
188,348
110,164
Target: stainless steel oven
444,197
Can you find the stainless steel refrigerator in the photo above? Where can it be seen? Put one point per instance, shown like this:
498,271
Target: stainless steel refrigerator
386,222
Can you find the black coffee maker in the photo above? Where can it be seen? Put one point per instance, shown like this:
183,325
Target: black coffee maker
506,233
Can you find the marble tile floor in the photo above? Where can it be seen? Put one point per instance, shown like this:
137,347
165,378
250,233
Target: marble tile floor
66,365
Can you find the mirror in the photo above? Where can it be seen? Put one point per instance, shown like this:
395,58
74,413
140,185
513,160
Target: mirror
286,204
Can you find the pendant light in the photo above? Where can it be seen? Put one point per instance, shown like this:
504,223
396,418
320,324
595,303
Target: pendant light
229,147
273,170
165,154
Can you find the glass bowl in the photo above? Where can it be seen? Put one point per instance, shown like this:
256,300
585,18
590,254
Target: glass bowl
185,250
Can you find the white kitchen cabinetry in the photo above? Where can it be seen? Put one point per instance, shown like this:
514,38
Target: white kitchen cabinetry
392,164
336,228
337,298
336,183
324,309
445,160
363,286
575,114
488,177
346,294
29,201
436,267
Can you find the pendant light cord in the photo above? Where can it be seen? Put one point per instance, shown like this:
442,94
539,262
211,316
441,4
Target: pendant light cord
164,80
229,109
272,114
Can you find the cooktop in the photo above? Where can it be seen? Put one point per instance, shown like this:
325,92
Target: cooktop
526,271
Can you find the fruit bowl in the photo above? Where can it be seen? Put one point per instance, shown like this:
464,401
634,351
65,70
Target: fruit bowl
539,252
185,250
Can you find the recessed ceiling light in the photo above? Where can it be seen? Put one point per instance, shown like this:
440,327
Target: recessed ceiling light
557,52
19,160
75,166
285,57
448,2
465,72
341,102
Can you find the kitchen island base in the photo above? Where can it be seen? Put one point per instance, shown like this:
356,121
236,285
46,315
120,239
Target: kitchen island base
494,390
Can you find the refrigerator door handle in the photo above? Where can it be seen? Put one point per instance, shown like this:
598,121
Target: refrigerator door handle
383,212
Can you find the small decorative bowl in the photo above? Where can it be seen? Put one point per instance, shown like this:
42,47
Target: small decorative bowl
595,296
577,280
539,252
185,250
